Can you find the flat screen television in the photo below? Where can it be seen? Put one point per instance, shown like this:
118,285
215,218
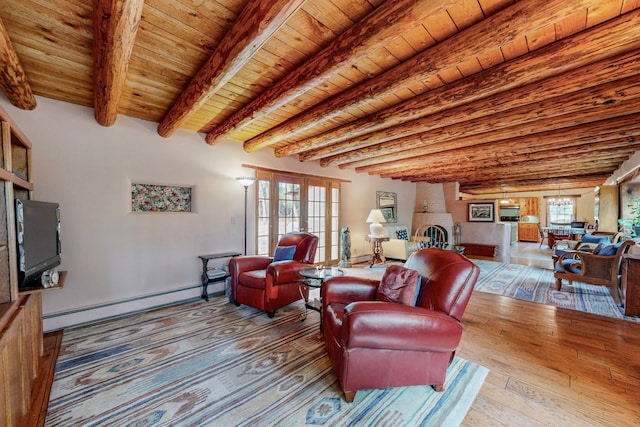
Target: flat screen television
38,233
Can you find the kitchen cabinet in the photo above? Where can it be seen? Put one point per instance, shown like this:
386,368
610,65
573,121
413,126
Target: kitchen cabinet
529,206
528,232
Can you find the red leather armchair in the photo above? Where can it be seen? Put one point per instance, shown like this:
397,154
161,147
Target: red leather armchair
376,344
259,282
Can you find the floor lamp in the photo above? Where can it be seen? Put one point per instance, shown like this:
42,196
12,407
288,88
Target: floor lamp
245,181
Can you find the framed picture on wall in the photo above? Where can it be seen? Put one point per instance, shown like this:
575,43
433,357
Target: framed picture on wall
481,212
387,202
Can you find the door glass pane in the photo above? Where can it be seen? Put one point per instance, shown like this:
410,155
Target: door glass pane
316,218
262,232
335,224
288,207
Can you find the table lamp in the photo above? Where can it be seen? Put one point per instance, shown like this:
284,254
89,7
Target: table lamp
375,218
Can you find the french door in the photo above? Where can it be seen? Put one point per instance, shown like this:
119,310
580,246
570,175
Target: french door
290,202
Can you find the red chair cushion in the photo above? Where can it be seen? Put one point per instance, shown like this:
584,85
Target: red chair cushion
253,279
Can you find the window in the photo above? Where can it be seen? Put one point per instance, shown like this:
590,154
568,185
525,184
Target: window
303,204
561,209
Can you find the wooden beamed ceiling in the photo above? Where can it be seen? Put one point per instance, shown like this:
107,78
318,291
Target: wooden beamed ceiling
497,95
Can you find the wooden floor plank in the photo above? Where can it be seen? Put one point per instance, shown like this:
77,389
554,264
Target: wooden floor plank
569,369
547,366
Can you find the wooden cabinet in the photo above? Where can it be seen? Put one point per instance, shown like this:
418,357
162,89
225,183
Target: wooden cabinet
528,232
15,181
21,337
630,284
529,206
21,350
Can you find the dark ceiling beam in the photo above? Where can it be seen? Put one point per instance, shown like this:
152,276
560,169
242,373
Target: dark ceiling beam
13,79
568,156
498,30
626,127
570,57
115,25
518,186
387,22
479,131
258,22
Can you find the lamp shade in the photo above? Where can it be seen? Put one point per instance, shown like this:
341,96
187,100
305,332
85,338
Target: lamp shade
246,181
375,218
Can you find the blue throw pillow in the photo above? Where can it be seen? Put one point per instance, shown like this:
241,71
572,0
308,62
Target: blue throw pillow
284,253
609,250
402,234
590,238
571,265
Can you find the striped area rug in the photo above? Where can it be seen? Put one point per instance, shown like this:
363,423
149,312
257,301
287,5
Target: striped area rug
214,364
538,285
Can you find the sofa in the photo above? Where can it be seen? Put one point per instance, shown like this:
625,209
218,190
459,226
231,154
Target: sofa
398,247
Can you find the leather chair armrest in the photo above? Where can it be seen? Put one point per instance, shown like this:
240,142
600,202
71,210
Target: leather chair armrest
250,263
347,289
240,264
387,325
286,271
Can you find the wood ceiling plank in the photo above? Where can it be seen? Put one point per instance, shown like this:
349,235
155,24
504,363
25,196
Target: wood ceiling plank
356,9
570,25
345,50
501,154
598,132
563,56
450,75
506,26
203,39
50,28
603,12
400,49
629,5
255,25
440,26
515,49
419,144
618,124
201,17
541,37
56,47
500,174
466,13
491,58
535,101
521,146
469,67
418,38
491,7
329,15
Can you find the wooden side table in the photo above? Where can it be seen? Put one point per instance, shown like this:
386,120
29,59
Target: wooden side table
377,255
211,275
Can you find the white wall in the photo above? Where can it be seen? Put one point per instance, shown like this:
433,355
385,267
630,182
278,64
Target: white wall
116,258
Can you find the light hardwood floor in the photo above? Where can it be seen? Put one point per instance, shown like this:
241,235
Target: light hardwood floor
548,365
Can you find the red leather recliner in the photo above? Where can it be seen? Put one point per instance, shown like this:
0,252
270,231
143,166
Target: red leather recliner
376,344
259,282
